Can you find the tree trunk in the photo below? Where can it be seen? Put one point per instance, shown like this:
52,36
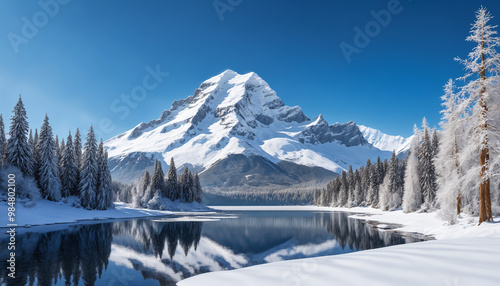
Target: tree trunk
457,166
484,154
484,188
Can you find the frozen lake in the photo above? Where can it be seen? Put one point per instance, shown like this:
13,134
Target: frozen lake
162,251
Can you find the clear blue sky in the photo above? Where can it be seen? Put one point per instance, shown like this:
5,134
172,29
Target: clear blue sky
90,52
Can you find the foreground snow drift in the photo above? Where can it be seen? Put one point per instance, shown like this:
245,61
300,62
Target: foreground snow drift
468,261
464,254
48,212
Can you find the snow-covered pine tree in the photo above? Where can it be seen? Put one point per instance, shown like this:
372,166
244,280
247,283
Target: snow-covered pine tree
435,142
186,185
390,190
144,184
30,140
317,197
158,187
108,180
140,189
104,190
366,182
3,141
99,196
447,159
377,179
149,192
173,191
426,169
332,193
57,150
329,195
358,189
412,197
48,172
61,155
351,182
190,191
36,155
401,177
197,188
62,147
88,174
69,169
343,196
321,200
18,150
482,97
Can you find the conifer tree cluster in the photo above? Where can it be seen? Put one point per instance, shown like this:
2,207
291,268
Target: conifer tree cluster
152,188
378,184
58,169
388,185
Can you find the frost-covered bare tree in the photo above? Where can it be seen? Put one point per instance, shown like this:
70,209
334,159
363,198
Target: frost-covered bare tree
481,99
449,194
391,188
412,197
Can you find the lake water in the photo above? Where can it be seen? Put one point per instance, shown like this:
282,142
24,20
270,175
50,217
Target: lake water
162,251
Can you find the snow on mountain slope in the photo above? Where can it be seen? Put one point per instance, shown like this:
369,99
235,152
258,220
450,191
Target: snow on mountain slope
386,142
237,114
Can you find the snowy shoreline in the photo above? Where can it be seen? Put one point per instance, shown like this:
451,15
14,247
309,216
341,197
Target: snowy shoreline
445,261
53,213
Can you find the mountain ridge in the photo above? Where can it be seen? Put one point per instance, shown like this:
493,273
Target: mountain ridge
239,114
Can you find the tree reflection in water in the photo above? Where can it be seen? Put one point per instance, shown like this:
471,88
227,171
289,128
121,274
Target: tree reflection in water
166,252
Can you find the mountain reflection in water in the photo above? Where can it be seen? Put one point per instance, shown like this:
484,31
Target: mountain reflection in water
152,252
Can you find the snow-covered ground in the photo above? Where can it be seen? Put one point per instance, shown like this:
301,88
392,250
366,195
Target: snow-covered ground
463,254
48,212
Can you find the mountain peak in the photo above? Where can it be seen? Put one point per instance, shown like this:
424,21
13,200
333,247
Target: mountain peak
237,114
386,142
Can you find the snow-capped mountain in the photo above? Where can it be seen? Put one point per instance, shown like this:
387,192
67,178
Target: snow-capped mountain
386,142
236,131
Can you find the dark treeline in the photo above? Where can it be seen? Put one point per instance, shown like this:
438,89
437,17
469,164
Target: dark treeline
80,255
45,167
245,195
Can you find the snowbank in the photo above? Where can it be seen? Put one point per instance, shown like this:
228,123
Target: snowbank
48,212
464,254
466,261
